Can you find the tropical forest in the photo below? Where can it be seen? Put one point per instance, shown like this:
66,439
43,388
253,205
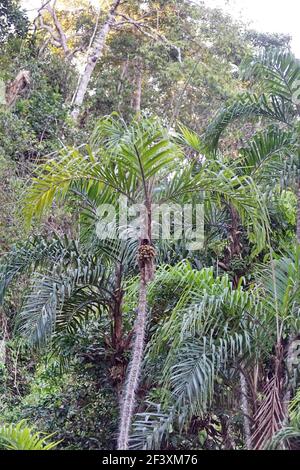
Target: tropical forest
149,228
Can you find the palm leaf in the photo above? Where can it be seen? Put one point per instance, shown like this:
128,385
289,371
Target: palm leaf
22,437
62,300
277,70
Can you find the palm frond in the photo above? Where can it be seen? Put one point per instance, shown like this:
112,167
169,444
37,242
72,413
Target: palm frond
191,139
245,106
270,416
62,300
32,254
22,437
153,427
271,158
282,438
290,433
277,70
141,152
266,149
280,280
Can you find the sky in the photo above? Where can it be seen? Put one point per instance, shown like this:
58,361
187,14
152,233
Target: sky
273,16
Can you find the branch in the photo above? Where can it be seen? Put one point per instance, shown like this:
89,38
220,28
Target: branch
151,33
57,34
59,29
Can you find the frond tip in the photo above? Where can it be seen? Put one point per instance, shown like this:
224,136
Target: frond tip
22,437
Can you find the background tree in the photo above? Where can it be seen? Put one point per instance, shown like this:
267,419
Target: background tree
13,21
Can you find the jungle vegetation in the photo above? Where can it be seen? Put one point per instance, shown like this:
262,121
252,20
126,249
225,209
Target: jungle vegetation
146,342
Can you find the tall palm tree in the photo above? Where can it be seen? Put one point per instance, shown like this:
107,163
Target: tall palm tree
211,329
274,154
272,159
144,164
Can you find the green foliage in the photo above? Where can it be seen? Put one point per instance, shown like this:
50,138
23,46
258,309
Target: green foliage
63,302
78,406
216,316
13,21
21,437
277,71
202,336
18,141
66,288
38,122
209,328
272,154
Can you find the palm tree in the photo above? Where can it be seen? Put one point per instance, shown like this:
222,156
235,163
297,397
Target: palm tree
144,164
280,282
272,159
273,155
214,332
206,332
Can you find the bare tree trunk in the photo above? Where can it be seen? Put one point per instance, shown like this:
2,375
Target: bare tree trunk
122,76
137,96
245,410
93,57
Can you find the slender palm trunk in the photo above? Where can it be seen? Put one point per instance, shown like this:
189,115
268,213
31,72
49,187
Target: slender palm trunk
117,330
245,410
93,57
298,214
235,247
235,250
146,265
134,368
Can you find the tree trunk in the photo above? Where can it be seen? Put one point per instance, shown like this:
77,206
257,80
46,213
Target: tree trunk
93,57
298,214
123,76
117,334
234,249
134,369
146,264
137,96
245,410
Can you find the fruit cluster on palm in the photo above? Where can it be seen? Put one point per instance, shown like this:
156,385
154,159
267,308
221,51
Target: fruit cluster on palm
218,344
